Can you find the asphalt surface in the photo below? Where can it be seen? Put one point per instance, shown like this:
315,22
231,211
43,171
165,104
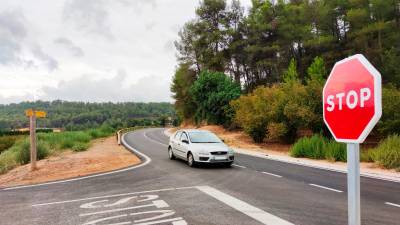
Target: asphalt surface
163,191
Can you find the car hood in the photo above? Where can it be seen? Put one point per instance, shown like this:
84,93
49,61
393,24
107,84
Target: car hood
210,147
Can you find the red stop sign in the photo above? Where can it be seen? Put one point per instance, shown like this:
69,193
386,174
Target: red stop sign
352,99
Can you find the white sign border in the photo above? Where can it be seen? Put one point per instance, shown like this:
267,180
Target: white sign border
377,98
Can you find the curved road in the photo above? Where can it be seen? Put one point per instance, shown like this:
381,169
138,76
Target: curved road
254,191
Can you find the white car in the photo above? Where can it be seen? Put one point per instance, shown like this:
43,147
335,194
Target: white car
199,146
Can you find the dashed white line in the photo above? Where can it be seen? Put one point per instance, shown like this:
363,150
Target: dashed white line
243,207
392,204
272,174
239,166
326,188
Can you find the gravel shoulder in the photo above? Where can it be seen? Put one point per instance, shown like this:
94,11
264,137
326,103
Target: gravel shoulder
103,155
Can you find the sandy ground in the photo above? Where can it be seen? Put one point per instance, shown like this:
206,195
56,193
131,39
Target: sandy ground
242,143
103,155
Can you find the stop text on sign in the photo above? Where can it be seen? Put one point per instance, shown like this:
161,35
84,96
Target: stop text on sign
351,99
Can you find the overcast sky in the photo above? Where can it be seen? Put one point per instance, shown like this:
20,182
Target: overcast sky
90,50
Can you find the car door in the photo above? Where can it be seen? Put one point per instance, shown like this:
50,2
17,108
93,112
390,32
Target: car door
175,142
183,145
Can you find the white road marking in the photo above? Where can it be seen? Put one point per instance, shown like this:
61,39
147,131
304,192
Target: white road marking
243,207
153,140
179,221
157,203
107,196
326,188
239,166
147,160
272,174
392,204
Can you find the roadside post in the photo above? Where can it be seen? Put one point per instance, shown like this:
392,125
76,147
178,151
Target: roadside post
32,114
352,105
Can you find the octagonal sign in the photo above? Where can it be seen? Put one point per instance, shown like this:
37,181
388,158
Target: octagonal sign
352,99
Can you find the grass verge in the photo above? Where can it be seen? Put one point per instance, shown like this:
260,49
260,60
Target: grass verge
49,144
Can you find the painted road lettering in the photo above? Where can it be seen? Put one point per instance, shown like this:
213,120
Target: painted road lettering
156,213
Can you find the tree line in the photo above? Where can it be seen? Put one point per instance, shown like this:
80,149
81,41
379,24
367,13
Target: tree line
83,115
279,54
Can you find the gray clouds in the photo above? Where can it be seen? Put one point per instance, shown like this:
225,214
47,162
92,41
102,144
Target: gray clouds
14,43
70,46
84,88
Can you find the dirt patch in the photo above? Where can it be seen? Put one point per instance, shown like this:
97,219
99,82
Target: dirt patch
103,155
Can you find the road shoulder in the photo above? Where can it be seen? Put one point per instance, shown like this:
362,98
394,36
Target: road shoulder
104,155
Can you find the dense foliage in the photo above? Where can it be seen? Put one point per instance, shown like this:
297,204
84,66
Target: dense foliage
211,93
257,46
280,53
80,115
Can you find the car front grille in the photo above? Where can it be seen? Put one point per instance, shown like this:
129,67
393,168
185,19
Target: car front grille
218,153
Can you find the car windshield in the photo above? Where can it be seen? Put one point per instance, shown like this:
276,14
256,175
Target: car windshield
203,137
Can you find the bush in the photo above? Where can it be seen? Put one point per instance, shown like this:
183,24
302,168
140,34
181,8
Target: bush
7,141
309,147
79,147
7,161
23,154
318,147
335,151
387,154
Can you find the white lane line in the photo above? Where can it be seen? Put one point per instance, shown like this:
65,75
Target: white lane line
326,188
147,160
243,207
272,174
108,196
239,166
153,140
392,204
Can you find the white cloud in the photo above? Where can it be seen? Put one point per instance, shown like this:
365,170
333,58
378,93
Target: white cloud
71,49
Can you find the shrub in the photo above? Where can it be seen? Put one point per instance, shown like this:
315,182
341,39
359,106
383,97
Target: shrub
387,154
335,151
309,147
318,147
7,141
79,147
23,154
7,161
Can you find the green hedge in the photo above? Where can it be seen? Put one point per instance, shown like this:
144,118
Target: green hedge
387,153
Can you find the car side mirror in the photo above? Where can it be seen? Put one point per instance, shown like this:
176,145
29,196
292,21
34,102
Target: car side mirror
223,140
185,141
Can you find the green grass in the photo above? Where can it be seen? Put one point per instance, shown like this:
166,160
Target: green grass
318,147
387,153
8,141
49,143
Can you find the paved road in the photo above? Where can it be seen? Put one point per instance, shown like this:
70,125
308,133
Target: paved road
161,191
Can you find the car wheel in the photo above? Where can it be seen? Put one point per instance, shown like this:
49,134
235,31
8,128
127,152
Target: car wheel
190,160
171,154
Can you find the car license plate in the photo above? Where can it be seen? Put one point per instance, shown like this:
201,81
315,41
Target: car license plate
220,157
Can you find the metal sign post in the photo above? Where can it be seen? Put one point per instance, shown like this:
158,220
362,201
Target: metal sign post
352,101
353,183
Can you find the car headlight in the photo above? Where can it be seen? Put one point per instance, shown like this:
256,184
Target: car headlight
230,151
203,152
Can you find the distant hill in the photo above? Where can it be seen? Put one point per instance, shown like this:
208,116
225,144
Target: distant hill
81,115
